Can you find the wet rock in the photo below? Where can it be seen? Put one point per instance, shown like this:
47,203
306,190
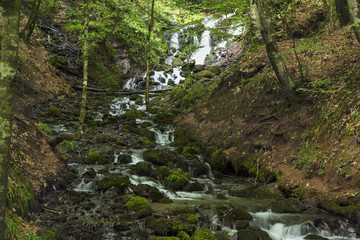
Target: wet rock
185,222
159,157
242,224
124,158
314,237
252,234
143,169
147,133
91,173
121,226
111,193
204,233
177,179
290,205
195,186
120,183
237,214
148,191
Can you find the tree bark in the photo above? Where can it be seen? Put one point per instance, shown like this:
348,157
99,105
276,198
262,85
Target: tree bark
255,19
30,25
276,60
85,70
342,12
354,13
8,69
148,49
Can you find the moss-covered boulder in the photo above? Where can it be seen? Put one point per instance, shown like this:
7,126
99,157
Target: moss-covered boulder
98,157
133,114
91,173
177,179
143,169
148,191
214,69
203,234
147,133
54,111
204,75
252,234
136,203
237,214
124,158
218,161
141,234
185,222
158,225
183,236
290,205
120,183
194,187
160,157
177,62
166,117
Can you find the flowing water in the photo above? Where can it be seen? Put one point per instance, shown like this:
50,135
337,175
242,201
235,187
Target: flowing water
278,226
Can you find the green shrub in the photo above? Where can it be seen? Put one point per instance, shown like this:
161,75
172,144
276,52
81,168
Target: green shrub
137,203
67,146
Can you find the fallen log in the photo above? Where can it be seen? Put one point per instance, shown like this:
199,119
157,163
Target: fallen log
123,92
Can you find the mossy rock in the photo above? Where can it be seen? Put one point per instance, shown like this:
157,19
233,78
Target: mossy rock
218,161
124,158
290,205
177,62
185,222
148,191
143,169
164,117
91,173
54,111
189,152
214,69
141,234
162,172
194,187
204,75
134,114
177,179
269,191
120,183
183,236
143,213
242,224
136,203
252,234
237,214
147,133
203,234
158,225
159,157
182,210
121,226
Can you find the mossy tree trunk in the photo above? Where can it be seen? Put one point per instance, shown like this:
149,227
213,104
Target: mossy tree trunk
354,13
148,49
342,12
272,49
30,25
85,70
8,68
255,19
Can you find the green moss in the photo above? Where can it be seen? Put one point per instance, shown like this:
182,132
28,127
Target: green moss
94,156
214,69
54,111
164,117
204,234
183,235
189,152
204,74
192,218
177,179
47,235
136,203
177,62
120,183
134,113
67,146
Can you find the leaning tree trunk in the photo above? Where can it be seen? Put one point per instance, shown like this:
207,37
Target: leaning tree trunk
354,13
85,71
148,49
30,25
8,68
276,60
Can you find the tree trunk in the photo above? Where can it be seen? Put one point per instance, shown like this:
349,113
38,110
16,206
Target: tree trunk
8,68
342,12
148,49
255,19
354,13
85,70
30,25
276,60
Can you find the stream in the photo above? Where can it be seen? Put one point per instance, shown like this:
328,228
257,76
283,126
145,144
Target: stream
93,213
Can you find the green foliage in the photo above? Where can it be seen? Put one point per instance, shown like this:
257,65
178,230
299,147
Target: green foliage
54,111
46,128
94,156
20,196
67,146
204,234
183,235
177,179
49,9
136,203
15,231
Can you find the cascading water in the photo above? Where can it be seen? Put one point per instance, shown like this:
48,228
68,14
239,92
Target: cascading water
278,226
